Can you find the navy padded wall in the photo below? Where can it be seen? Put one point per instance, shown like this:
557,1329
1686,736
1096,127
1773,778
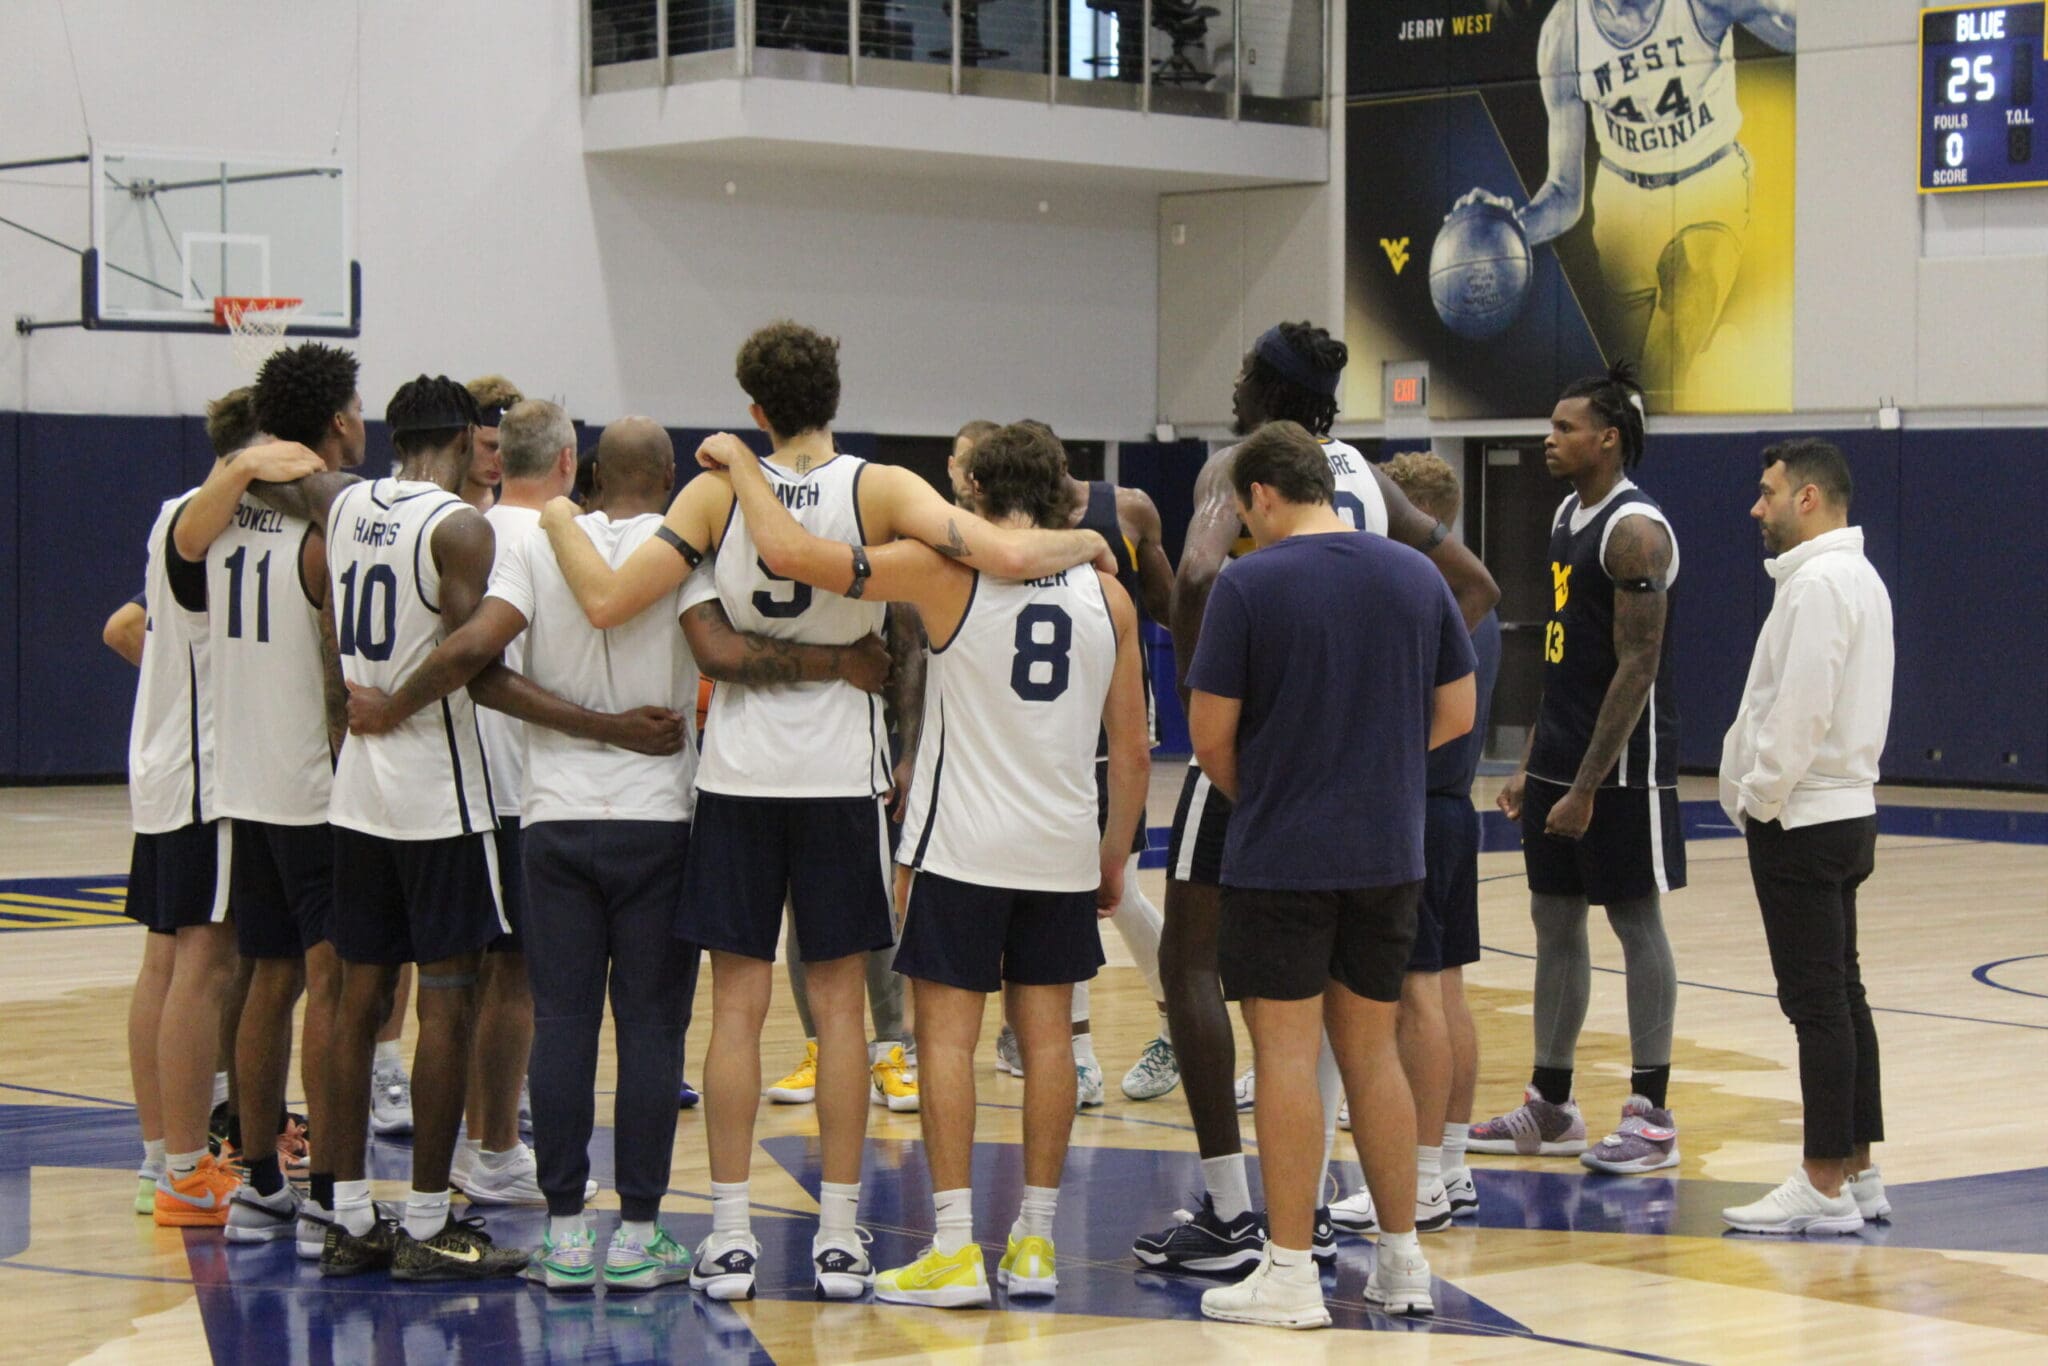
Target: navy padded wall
1972,633
10,593
1167,471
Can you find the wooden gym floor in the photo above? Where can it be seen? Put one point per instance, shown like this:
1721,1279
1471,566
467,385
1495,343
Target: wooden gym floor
1563,1263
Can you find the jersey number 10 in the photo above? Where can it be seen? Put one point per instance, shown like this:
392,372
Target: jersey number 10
369,627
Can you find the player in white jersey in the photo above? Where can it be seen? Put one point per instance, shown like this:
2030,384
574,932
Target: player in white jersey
1671,199
180,874
485,483
1011,866
792,778
277,687
1291,373
605,837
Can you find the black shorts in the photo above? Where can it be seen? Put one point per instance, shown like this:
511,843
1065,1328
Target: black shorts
1633,847
414,901
1447,919
828,857
511,883
1290,945
962,934
1140,838
283,882
179,878
1201,823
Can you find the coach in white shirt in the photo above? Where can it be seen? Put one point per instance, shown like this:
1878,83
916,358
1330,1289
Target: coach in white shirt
1797,775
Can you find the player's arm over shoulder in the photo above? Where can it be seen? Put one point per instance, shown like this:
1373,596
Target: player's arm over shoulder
1774,22
1138,514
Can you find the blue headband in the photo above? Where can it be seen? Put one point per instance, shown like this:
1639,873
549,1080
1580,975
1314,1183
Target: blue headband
1292,366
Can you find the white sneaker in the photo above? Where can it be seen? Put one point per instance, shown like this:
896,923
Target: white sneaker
1796,1207
1009,1058
1398,1284
512,1180
1344,1116
1867,1188
311,1234
840,1266
1087,1084
724,1266
1462,1191
1432,1206
525,1108
1278,1299
1247,1088
254,1218
390,1100
1355,1214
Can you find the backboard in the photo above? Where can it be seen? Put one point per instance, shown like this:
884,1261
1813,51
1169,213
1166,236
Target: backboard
173,230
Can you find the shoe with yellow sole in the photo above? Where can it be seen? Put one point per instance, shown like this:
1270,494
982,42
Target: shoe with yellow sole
959,1281
892,1082
801,1086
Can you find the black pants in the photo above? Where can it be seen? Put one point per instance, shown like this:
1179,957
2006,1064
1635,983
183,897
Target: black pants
602,898
1806,881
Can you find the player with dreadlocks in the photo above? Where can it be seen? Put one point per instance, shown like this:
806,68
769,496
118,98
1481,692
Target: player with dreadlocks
1597,790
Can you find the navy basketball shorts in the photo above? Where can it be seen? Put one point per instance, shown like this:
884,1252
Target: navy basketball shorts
1201,824
1140,839
828,857
511,883
179,878
1633,847
283,888
962,934
414,901
1289,945
1447,920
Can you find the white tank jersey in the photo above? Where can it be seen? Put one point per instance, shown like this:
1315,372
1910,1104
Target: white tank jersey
170,739
504,737
1661,104
274,764
1004,790
796,739
1358,499
644,662
428,778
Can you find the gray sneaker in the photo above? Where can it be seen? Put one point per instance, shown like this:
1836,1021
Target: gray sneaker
1156,1072
1646,1141
390,1100
1008,1059
1536,1129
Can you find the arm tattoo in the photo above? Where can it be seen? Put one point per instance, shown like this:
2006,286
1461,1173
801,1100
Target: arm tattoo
1635,551
955,547
769,661
334,693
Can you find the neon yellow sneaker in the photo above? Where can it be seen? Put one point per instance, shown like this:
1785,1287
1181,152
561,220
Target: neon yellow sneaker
145,1193
956,1282
892,1082
801,1086
1026,1268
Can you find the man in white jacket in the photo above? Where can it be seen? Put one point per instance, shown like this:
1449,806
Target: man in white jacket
1797,775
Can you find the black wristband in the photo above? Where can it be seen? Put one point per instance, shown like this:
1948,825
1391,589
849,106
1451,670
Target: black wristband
679,545
861,570
1639,585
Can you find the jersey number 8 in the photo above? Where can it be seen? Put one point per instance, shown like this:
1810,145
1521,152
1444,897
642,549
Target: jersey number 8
1032,652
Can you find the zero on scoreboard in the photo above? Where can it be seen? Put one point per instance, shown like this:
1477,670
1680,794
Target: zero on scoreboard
1983,97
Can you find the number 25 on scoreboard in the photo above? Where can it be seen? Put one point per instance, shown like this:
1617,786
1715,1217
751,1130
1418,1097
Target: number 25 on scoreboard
1968,73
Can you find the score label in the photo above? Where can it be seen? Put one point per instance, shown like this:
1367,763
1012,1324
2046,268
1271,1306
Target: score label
1983,97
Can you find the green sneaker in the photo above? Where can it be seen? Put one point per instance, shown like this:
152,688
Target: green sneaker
630,1264
568,1265
145,1193
344,1254
461,1251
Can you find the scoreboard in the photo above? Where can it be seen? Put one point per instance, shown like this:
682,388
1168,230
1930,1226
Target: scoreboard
1983,98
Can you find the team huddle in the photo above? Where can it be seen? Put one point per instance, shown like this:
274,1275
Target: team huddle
378,727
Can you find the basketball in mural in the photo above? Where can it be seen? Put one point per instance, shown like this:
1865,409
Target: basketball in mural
1479,271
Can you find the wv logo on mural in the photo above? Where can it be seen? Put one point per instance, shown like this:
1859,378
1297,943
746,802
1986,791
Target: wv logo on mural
1396,249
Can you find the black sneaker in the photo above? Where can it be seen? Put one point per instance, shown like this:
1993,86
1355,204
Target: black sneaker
1204,1243
461,1251
1324,1245
220,1128
345,1254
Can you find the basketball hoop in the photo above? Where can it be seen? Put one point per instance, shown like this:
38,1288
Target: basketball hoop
255,325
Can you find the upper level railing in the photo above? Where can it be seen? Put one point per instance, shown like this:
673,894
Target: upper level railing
1260,60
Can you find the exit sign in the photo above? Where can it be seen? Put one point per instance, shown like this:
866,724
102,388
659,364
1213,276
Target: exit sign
1410,392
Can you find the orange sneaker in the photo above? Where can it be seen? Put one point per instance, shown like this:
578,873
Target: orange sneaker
196,1201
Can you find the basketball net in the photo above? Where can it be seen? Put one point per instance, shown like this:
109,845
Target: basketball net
256,326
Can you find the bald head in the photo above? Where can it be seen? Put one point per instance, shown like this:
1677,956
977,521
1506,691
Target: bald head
635,460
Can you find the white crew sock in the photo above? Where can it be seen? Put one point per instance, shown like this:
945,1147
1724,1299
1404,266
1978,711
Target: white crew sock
1078,1011
352,1207
1406,1244
1293,1264
1455,1138
641,1231
1084,1049
1228,1187
178,1166
955,1211
1429,1166
1034,1216
220,1089
563,1227
729,1208
388,1054
1165,1027
838,1204
426,1213
153,1160
498,1162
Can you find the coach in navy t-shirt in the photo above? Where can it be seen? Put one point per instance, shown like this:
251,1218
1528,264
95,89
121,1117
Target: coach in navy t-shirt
1330,663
